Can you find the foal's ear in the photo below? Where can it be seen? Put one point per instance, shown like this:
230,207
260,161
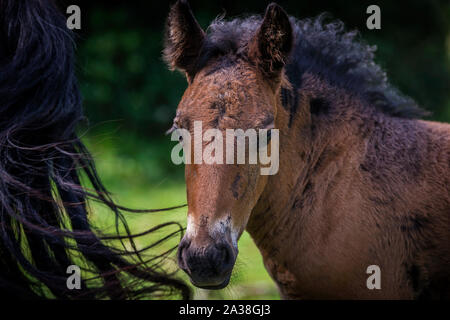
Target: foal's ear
272,43
183,39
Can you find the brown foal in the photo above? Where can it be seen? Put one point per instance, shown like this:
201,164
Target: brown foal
361,180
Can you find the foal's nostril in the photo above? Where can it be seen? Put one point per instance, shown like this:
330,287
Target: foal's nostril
207,266
181,254
226,257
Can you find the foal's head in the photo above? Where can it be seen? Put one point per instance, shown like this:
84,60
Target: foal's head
230,86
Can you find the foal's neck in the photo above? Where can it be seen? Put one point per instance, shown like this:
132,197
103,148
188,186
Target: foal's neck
321,146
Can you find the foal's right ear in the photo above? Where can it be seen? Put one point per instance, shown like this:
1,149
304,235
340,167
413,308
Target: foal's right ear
272,43
183,40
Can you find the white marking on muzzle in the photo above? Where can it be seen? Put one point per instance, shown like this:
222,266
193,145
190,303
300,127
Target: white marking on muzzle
216,230
191,228
220,228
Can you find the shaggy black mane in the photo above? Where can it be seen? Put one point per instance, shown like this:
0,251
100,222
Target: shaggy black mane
324,49
48,178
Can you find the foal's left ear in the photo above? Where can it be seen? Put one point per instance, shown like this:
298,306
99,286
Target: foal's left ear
272,43
184,38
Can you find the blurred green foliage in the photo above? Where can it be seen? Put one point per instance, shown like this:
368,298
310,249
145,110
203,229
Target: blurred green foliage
130,97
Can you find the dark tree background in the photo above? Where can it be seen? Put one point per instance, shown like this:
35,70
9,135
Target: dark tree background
123,77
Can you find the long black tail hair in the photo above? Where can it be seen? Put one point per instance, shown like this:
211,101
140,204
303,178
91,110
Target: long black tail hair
44,226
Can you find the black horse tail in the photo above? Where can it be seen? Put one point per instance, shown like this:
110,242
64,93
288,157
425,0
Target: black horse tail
44,226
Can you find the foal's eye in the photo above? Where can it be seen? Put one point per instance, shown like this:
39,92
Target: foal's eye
268,134
173,129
